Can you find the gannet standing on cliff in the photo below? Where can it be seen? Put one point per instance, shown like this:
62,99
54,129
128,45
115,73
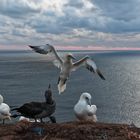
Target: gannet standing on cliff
38,110
66,64
84,110
4,110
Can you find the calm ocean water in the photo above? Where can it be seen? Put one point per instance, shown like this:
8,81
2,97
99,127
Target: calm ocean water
24,77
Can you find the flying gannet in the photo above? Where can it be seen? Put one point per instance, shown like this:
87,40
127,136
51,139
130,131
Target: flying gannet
66,64
38,110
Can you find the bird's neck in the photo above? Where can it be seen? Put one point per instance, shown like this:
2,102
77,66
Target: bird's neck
82,101
49,101
68,61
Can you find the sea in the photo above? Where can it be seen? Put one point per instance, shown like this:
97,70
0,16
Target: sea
25,76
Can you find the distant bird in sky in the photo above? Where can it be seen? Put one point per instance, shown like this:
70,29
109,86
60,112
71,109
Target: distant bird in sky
38,110
84,110
4,110
66,64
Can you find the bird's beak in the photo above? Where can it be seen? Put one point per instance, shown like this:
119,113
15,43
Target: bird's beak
89,102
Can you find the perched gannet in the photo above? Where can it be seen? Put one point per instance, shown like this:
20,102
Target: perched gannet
4,110
84,110
66,64
38,110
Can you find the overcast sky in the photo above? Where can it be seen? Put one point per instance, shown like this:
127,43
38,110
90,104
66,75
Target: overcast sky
97,24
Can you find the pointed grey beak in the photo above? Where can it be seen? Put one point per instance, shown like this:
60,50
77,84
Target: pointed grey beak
88,102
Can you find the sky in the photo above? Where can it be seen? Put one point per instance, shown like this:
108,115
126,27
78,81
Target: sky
70,24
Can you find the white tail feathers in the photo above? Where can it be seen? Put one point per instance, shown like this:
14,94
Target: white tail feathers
94,118
61,87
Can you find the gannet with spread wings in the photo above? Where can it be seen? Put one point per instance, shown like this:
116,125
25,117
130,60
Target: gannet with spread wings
66,64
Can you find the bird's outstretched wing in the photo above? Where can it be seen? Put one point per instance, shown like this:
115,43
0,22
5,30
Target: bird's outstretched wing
48,49
89,64
40,49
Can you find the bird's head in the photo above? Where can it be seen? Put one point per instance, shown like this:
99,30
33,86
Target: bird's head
70,56
86,97
48,94
1,99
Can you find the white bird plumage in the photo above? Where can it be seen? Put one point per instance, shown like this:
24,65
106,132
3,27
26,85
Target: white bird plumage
22,118
83,110
66,64
4,110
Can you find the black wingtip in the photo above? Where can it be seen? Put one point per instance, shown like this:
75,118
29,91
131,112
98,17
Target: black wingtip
30,46
100,74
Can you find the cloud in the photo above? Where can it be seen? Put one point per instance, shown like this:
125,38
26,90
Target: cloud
125,10
18,9
123,16
76,4
107,23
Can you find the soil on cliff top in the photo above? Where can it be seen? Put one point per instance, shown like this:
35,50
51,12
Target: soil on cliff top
68,131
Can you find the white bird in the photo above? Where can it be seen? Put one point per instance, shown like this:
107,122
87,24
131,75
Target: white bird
66,64
84,110
4,110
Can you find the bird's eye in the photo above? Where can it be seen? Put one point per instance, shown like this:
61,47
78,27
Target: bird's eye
86,98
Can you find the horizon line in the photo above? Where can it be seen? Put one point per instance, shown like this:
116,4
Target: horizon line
73,48
1,50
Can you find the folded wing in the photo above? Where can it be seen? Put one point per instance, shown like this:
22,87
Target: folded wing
30,109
